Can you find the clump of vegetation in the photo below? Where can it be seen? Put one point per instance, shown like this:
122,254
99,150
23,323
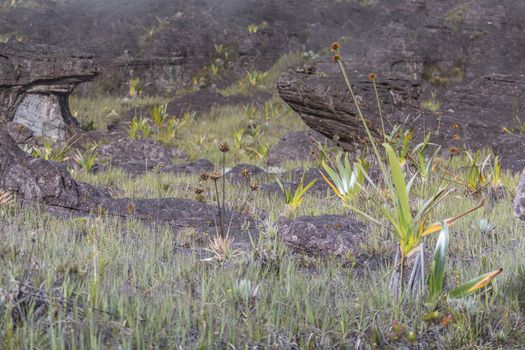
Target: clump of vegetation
408,224
105,282
294,198
51,151
164,129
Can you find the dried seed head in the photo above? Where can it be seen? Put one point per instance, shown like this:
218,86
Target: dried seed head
245,172
204,176
254,186
199,190
456,137
372,76
453,151
336,58
456,126
223,147
335,46
215,176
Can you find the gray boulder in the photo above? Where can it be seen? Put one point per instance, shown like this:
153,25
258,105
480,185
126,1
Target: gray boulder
326,235
35,83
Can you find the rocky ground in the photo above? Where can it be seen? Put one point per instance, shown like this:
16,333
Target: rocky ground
135,137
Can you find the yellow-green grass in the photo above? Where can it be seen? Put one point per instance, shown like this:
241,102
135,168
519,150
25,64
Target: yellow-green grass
159,292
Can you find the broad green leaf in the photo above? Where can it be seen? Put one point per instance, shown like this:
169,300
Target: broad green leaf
437,272
401,193
474,284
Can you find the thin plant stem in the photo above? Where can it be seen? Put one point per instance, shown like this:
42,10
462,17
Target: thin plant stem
223,188
379,109
369,134
221,231
242,209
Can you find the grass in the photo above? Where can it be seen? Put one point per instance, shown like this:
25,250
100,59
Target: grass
133,285
265,81
163,295
104,110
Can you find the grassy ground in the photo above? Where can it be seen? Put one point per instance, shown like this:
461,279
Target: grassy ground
144,288
131,286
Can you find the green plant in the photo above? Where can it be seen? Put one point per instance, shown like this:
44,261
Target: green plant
346,181
432,104
134,88
159,115
174,124
408,225
238,136
293,198
255,77
139,125
401,138
437,272
254,28
87,125
496,173
219,48
476,178
87,160
422,162
214,69
49,151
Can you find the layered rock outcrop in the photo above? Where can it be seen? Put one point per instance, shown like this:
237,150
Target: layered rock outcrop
35,83
454,69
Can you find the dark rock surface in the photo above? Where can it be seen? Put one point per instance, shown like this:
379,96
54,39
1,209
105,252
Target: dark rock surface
35,83
20,133
465,58
297,146
194,167
38,182
323,235
137,156
292,178
166,43
244,173
480,110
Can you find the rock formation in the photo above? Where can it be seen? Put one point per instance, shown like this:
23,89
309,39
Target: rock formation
453,69
472,115
38,182
35,83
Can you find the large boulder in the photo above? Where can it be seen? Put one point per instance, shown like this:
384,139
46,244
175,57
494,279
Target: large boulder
453,69
35,83
37,182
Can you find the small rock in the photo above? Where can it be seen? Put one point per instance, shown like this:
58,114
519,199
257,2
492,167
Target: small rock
244,173
297,145
195,167
20,133
137,156
323,235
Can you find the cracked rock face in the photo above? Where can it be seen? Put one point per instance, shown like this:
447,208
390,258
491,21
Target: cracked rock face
35,83
42,114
